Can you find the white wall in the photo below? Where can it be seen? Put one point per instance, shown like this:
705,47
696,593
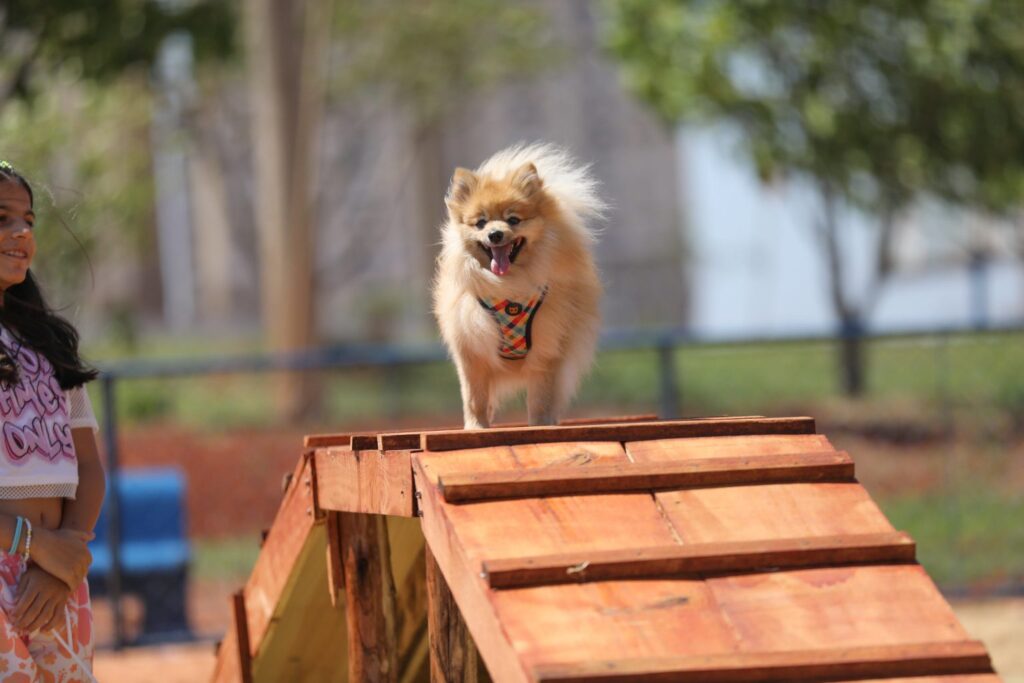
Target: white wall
757,268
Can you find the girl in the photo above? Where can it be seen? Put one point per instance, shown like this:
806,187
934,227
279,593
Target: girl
51,480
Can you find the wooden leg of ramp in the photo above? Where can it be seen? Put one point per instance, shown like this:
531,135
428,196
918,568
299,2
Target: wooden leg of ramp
453,656
369,598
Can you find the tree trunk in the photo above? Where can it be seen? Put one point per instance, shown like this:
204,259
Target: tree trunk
851,356
432,184
851,343
286,44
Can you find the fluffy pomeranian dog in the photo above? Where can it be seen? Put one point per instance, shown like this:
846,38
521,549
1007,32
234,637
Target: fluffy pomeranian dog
516,293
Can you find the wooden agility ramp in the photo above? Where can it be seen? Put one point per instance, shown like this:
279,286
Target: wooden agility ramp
719,550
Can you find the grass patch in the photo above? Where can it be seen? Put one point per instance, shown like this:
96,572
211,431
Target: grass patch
224,558
976,377
963,537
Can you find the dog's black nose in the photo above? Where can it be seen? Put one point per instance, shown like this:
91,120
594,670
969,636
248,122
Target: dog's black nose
495,236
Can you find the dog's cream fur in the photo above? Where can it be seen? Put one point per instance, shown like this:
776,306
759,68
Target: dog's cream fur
553,197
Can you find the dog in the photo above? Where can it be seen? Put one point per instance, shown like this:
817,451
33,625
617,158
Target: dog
516,293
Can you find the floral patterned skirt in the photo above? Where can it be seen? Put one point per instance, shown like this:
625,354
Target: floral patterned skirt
44,657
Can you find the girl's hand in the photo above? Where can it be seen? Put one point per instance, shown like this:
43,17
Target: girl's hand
63,553
41,598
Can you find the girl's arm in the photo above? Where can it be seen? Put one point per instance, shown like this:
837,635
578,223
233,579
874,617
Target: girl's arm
62,552
44,590
81,513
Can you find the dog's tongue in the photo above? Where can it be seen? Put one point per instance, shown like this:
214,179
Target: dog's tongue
500,262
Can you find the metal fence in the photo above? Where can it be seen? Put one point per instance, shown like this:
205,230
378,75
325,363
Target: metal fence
680,373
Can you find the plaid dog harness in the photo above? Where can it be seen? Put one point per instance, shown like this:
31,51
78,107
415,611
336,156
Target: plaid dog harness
514,322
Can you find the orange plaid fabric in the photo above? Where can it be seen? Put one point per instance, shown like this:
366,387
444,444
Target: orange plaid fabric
514,322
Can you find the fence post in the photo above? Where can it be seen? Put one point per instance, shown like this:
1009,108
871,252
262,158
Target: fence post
113,507
669,403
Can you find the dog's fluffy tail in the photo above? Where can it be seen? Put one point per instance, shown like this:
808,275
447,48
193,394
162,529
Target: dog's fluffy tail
564,178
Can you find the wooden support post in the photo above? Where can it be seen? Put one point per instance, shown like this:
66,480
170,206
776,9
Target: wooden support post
369,598
241,627
453,656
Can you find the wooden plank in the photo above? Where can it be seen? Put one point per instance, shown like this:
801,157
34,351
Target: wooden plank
326,440
241,629
369,598
335,561
227,669
403,441
410,440
628,619
507,458
462,487
758,512
466,586
365,481
698,448
453,656
292,525
621,419
304,626
764,612
466,534
955,678
234,664
364,442
517,528
833,664
637,431
855,606
703,558
754,513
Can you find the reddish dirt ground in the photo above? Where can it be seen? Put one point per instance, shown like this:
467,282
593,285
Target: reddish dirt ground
233,478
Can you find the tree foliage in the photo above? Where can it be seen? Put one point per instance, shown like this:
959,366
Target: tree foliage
882,100
876,103
431,52
99,39
85,150
75,108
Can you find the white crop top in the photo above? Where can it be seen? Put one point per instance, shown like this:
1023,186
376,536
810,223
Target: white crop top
37,454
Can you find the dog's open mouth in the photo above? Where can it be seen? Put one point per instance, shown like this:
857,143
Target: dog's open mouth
503,256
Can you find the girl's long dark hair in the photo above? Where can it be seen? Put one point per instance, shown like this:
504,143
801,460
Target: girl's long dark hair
32,322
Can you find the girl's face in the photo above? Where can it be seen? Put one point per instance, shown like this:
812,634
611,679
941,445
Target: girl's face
17,243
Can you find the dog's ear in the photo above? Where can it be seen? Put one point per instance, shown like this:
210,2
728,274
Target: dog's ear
527,179
463,183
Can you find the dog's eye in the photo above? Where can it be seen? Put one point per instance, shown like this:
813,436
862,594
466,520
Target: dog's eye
513,220
481,223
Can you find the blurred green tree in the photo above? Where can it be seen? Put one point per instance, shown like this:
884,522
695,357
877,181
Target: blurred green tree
428,56
99,39
875,103
75,108
85,150
419,56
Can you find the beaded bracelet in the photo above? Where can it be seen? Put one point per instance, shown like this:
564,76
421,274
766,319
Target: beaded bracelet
28,539
17,535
